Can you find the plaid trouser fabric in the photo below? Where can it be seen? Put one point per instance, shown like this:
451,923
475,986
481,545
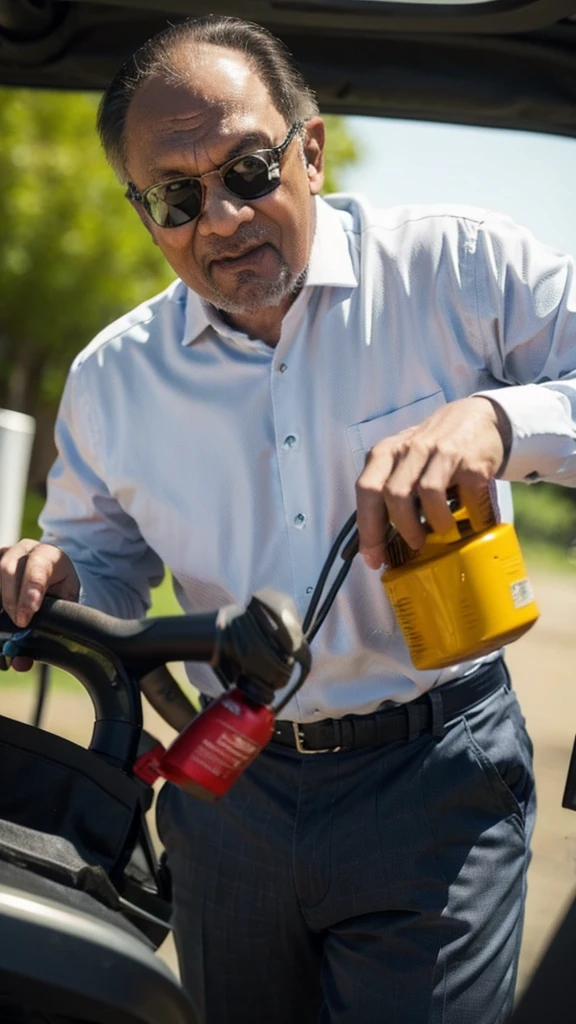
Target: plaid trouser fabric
377,886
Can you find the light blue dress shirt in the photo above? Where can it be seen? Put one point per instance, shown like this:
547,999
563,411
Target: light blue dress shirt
184,443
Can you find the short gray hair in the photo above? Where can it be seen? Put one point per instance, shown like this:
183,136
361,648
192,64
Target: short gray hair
266,54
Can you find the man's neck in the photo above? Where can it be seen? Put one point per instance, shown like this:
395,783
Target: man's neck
263,325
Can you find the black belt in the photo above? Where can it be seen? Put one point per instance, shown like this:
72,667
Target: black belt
427,714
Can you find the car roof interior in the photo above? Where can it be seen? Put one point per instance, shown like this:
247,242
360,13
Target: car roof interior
503,63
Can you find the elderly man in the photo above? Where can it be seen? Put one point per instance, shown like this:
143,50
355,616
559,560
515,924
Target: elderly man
309,346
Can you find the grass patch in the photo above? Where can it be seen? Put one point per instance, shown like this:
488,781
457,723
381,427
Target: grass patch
545,520
544,557
163,599
545,513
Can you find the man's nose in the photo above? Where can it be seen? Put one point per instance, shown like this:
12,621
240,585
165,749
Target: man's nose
222,213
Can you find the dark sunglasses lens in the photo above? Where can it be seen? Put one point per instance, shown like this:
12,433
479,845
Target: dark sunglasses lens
251,177
176,203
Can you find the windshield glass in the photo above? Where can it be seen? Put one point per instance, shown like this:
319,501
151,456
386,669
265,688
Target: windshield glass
526,175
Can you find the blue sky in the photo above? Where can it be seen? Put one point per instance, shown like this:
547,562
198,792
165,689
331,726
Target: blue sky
531,177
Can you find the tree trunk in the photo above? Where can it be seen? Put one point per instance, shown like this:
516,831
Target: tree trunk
24,381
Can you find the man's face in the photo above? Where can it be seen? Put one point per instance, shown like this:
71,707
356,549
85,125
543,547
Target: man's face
239,255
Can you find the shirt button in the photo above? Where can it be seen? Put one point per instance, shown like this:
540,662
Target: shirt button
299,521
283,367
290,441
309,590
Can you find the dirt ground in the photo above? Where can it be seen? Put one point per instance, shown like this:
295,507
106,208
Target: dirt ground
543,666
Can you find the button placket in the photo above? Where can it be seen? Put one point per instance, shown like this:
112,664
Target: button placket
290,444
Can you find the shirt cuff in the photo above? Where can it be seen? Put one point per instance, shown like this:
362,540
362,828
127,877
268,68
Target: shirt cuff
543,434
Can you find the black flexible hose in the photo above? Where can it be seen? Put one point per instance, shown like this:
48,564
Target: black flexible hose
311,625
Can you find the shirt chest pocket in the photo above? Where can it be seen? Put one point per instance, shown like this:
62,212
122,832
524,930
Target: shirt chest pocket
364,435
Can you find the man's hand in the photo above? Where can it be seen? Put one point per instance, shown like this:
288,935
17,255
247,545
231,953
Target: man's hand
28,571
464,443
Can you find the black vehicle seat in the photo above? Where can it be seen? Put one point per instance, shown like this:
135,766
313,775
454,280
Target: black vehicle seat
67,957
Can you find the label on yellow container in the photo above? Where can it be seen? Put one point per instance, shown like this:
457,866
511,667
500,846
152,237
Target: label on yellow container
522,593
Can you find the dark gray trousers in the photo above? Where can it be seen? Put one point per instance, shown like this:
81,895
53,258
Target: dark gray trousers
377,886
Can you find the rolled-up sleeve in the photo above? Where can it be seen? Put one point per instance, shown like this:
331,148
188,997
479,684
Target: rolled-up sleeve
115,565
526,308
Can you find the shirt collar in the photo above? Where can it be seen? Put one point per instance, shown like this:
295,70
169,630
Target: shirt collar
330,260
196,320
330,266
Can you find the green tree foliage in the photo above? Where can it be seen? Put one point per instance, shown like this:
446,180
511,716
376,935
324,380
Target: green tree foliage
73,255
341,149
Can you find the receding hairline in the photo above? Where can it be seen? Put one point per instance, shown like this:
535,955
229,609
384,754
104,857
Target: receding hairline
170,58
184,76
244,132
188,43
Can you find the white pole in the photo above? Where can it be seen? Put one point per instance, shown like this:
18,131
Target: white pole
16,437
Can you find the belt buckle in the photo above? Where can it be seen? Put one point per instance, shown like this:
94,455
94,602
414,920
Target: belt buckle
299,740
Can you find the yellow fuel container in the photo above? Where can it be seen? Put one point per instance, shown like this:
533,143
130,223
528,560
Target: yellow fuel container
465,593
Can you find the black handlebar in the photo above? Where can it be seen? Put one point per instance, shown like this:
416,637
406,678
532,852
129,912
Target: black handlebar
144,643
109,656
259,646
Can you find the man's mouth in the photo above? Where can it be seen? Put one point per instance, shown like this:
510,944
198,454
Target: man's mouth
246,259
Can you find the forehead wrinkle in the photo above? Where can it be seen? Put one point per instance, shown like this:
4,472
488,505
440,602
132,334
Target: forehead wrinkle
177,161
176,151
167,121
208,81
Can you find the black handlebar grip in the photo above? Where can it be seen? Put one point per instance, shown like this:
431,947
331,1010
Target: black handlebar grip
153,641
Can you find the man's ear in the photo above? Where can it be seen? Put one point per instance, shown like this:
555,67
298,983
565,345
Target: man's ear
143,216
314,153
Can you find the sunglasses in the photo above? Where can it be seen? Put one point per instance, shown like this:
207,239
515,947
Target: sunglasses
176,202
